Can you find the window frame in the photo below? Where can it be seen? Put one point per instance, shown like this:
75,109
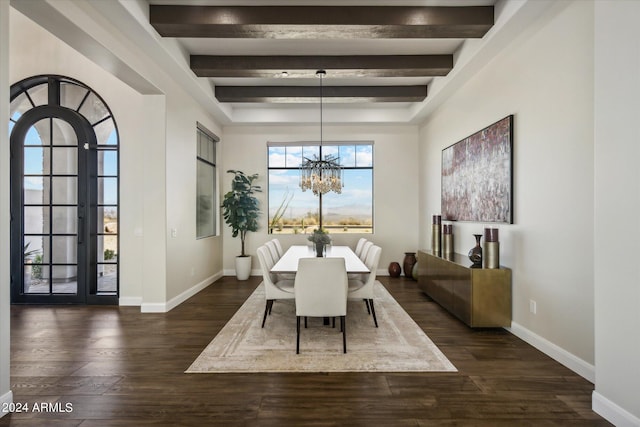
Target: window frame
209,161
335,146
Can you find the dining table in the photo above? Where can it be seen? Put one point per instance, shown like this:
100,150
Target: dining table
288,263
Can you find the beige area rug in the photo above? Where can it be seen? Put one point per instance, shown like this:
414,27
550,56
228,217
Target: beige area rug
397,345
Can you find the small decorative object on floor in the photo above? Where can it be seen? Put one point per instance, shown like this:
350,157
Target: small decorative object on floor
394,269
475,254
436,238
447,240
491,248
320,239
408,263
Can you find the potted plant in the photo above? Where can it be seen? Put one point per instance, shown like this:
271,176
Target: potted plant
240,212
320,239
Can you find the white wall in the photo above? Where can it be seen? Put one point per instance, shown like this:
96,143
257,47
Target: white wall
617,202
395,186
6,396
545,79
157,170
190,261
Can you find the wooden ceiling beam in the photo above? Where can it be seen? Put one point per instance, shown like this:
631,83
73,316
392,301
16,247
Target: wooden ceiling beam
312,93
336,66
321,22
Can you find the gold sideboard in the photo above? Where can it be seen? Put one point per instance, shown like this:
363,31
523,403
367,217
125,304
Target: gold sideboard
480,297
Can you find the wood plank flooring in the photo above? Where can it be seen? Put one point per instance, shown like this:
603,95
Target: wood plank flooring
117,367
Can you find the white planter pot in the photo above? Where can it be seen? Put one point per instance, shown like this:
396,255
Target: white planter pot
243,267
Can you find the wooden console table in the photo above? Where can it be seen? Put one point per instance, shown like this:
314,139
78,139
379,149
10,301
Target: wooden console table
480,297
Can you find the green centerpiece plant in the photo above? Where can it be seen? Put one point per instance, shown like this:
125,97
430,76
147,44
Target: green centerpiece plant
240,210
320,239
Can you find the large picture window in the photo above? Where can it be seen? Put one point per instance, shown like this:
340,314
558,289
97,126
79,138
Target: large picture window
292,211
206,204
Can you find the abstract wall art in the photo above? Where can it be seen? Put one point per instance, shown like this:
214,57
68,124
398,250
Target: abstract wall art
477,176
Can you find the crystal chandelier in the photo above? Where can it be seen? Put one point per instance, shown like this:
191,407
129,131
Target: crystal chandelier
317,174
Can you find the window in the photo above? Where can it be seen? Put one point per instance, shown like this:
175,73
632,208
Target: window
293,211
206,198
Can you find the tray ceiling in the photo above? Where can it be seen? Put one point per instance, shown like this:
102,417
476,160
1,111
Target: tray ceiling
269,52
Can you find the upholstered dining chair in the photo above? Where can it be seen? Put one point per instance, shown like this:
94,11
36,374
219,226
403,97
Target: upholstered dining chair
363,289
273,250
278,246
358,251
275,256
321,291
365,250
273,288
359,246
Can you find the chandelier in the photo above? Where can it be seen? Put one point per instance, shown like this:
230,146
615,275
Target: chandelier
321,175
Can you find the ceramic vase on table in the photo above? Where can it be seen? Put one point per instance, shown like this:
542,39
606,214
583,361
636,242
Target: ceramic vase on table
408,263
319,250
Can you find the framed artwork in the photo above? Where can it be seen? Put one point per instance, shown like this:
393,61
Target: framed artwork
477,176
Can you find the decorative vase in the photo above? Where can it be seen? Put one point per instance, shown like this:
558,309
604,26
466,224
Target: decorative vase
447,240
394,269
414,271
319,250
475,254
491,248
408,263
436,235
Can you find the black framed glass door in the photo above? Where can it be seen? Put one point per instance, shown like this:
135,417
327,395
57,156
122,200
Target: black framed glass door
64,204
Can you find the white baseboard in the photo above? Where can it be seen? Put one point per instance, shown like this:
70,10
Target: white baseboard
5,400
577,365
153,307
612,412
179,299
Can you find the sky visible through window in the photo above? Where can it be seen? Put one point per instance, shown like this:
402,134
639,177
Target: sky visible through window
33,158
352,210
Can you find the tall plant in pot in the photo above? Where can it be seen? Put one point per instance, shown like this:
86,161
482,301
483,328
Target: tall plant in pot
240,211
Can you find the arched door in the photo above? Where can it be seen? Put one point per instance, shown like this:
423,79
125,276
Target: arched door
64,203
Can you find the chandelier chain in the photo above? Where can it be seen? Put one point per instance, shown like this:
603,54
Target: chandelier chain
324,174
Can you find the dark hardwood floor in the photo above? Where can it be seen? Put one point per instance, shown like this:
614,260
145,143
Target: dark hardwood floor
113,366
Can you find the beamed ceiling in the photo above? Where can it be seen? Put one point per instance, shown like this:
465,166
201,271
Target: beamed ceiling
371,53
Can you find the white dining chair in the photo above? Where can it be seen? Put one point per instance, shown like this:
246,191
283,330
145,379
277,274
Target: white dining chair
363,289
365,250
321,291
275,256
278,246
273,250
273,288
359,246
